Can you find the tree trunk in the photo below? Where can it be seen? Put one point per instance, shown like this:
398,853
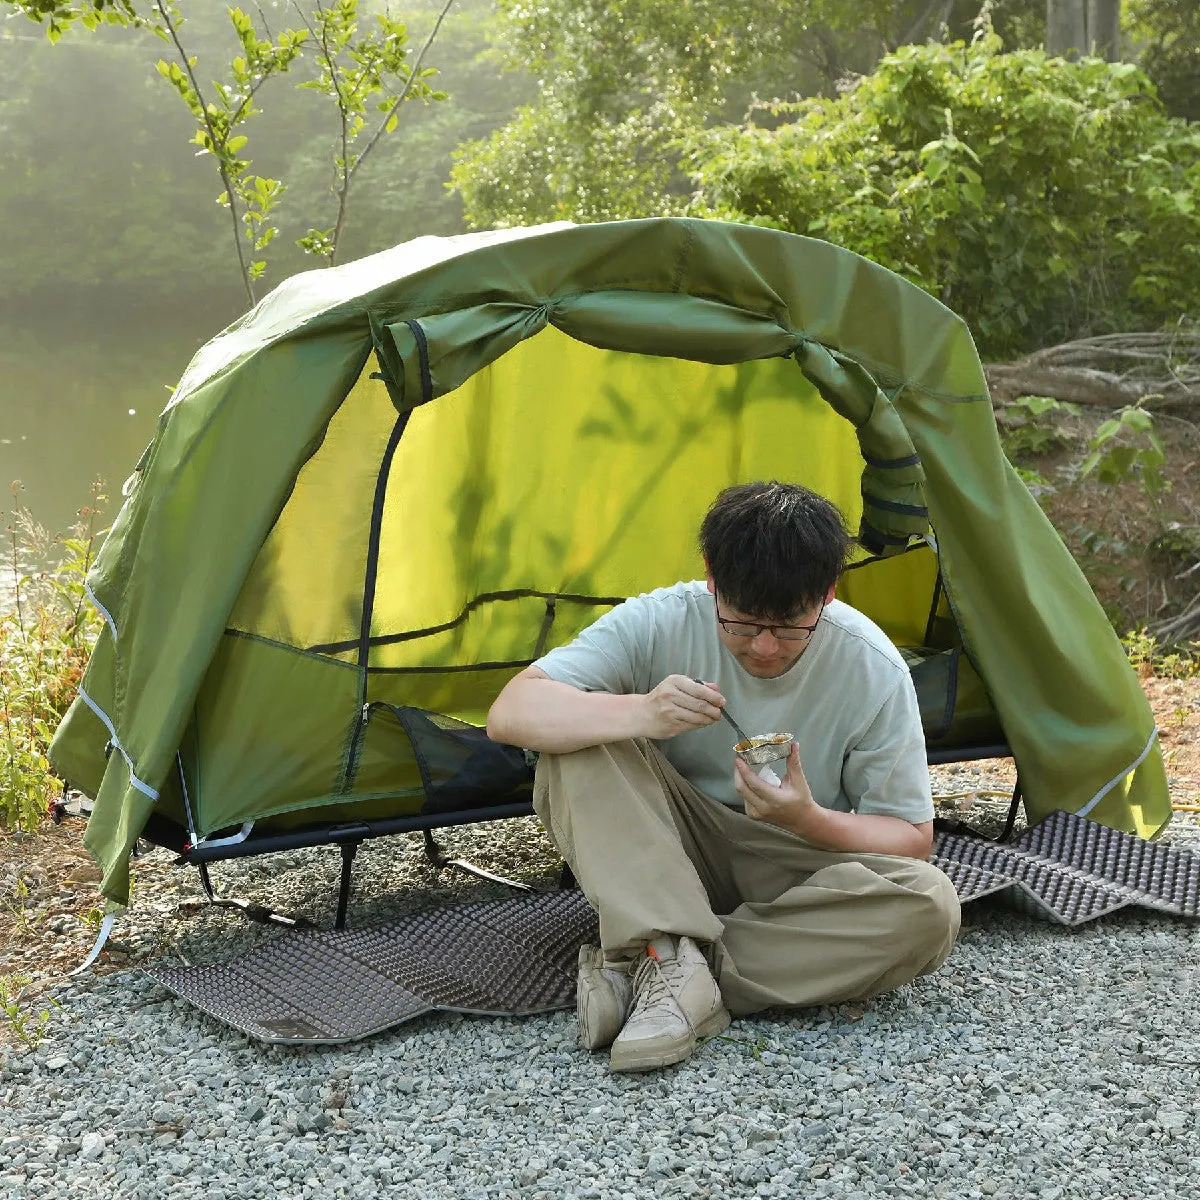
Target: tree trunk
1104,28
1066,28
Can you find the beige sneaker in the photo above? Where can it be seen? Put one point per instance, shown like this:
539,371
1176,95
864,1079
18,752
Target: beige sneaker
603,997
676,1001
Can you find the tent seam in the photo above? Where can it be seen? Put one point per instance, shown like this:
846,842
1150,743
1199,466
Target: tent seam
303,651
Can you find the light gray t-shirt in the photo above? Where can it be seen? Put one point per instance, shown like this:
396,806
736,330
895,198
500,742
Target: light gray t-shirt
848,700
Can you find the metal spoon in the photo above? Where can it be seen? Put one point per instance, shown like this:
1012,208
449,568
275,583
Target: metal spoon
742,735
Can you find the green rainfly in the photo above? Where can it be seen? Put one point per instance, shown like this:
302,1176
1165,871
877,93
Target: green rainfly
393,484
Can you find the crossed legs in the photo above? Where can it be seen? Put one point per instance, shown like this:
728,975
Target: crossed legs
784,923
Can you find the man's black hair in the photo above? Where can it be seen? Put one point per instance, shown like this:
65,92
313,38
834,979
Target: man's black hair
774,549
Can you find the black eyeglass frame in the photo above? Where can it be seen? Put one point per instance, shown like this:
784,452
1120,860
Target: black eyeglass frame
773,630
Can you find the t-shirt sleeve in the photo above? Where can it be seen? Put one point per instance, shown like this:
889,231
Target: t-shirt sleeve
886,772
611,655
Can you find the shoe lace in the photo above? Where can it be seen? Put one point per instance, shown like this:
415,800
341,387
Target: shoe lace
651,987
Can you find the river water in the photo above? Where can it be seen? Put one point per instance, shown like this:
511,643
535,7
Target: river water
78,402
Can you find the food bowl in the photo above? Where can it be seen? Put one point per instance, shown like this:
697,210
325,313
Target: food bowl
763,748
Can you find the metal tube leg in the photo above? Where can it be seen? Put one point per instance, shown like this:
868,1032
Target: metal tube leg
437,858
349,850
206,882
1012,812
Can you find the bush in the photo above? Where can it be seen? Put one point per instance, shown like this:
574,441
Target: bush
1041,199
46,635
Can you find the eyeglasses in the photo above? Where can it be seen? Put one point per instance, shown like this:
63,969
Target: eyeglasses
783,633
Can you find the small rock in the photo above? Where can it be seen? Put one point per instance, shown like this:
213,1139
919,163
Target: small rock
658,1166
91,1147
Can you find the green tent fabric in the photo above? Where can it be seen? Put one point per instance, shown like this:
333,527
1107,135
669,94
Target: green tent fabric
392,484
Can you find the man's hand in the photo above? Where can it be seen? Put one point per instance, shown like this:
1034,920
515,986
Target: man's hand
790,805
678,705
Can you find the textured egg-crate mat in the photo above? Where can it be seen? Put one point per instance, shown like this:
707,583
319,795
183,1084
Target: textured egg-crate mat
510,957
518,956
1070,870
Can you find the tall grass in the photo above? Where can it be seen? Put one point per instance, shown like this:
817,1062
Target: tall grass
47,630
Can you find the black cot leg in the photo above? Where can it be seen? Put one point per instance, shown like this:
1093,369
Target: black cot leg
349,850
206,882
437,859
254,912
1012,812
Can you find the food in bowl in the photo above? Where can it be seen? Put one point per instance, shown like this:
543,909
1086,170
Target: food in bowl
764,748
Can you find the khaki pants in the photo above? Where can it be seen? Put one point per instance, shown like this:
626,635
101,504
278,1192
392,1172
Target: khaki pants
787,924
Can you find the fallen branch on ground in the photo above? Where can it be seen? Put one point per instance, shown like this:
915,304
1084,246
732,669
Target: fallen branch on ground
1157,370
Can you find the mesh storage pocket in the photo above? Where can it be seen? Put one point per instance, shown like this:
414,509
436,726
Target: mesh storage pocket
461,767
955,707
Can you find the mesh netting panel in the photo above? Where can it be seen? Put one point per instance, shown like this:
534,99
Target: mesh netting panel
461,767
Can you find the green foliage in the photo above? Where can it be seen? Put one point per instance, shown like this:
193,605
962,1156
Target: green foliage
535,169
620,82
98,181
1167,36
59,17
27,1026
1026,433
251,197
361,65
1036,197
356,71
1149,657
1177,545
1126,447
45,640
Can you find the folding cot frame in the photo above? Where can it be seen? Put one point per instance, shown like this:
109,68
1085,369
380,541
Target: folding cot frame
348,837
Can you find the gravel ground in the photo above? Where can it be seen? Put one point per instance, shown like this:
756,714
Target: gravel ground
1039,1062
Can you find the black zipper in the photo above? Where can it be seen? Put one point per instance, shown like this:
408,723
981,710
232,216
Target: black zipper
357,733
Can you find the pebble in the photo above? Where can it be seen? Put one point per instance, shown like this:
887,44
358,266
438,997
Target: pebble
1038,1062
91,1146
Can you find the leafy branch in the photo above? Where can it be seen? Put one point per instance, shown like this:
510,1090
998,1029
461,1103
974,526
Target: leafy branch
59,17
352,73
250,198
357,70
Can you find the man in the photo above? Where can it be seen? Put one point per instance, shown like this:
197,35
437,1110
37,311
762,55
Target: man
718,891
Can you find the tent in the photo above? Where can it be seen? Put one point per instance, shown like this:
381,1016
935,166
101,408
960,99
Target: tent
392,484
